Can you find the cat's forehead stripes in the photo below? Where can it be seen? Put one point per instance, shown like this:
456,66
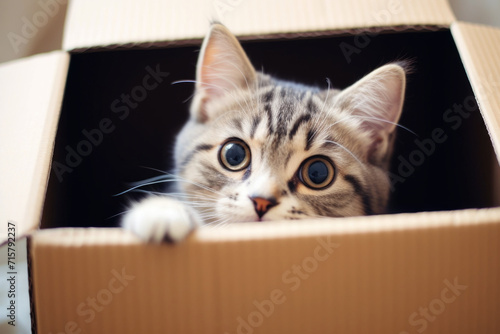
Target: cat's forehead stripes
286,128
255,123
311,105
300,121
311,135
284,124
286,108
237,124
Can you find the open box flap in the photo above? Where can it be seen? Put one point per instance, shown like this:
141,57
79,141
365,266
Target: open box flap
117,22
479,48
31,92
281,277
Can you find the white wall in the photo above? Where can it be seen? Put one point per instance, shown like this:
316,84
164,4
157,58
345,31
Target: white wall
477,11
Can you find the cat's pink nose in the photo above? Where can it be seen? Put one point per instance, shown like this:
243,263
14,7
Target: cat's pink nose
262,205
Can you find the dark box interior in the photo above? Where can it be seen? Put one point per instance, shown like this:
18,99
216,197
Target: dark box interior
120,139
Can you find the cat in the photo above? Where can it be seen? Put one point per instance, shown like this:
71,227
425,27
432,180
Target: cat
257,148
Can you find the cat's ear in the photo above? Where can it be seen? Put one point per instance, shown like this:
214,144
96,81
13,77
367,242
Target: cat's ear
377,101
222,68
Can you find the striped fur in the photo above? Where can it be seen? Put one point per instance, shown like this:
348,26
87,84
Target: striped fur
283,124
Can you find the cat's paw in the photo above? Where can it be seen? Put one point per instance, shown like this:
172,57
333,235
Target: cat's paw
157,219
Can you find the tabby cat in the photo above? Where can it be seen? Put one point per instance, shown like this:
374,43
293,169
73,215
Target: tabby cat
258,149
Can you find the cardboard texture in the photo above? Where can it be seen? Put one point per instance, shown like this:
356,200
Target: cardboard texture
407,272
92,24
31,93
479,48
352,275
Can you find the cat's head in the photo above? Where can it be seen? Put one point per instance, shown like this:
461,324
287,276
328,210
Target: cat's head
257,148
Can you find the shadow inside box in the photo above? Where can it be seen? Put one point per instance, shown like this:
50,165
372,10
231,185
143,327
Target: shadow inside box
121,112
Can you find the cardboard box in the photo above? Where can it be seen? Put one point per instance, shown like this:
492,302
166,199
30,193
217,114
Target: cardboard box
78,124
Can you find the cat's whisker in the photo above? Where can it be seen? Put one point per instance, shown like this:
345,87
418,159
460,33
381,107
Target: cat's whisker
143,185
236,88
172,177
199,185
322,112
222,184
247,84
194,196
214,221
211,219
118,214
186,81
180,196
196,203
327,94
183,81
222,224
196,199
219,223
347,150
229,92
346,118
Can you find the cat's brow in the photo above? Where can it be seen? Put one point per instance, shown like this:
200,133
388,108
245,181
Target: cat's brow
255,123
287,159
311,135
237,124
268,110
311,107
301,120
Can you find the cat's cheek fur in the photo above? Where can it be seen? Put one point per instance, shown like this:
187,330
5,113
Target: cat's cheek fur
157,219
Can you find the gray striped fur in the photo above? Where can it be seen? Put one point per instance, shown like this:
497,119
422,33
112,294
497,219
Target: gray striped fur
284,123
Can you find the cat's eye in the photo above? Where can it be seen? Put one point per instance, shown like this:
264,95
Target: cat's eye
234,155
317,172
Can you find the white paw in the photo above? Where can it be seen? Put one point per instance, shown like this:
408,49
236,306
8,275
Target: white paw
157,219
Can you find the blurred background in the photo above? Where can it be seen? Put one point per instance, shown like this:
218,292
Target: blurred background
49,36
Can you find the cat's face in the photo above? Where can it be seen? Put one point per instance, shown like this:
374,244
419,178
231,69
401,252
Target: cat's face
257,148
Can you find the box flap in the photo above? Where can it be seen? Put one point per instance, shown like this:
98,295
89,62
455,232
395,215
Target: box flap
479,48
117,22
398,273
31,91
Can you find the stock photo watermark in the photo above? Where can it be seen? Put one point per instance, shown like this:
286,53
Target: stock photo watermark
11,273
293,278
87,310
121,108
363,39
421,318
30,26
453,119
223,7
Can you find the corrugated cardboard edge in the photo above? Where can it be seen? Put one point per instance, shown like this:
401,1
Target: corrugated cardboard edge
261,37
31,92
381,269
77,237
31,288
479,48
112,23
